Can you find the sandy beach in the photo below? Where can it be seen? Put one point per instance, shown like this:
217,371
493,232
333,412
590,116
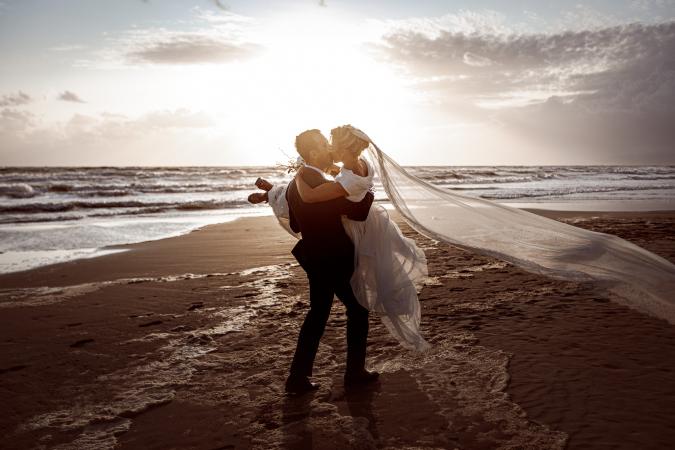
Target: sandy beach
186,342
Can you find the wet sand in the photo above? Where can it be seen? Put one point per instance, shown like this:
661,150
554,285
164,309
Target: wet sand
185,343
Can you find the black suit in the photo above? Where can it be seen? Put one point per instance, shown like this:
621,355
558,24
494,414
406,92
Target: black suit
327,255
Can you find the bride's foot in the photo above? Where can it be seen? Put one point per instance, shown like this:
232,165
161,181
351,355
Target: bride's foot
263,184
257,197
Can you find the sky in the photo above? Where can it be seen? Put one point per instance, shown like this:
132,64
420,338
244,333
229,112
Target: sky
232,82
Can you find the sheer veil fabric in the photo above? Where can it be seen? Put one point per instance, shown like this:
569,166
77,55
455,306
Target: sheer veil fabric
389,268
637,278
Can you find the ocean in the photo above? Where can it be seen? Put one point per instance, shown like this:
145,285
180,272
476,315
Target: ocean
50,215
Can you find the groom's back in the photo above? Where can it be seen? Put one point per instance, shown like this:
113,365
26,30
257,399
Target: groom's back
324,243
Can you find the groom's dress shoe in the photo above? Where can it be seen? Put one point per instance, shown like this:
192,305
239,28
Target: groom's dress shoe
360,378
300,385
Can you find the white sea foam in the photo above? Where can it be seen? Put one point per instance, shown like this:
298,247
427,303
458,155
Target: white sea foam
29,245
16,261
46,295
152,381
66,213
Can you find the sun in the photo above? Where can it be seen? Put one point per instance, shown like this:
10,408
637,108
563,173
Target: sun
315,71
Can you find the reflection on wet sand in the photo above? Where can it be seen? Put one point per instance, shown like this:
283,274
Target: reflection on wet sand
296,411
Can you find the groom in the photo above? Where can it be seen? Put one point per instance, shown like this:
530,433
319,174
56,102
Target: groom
326,254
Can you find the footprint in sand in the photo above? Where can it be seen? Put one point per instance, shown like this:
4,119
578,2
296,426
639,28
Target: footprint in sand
195,305
81,343
12,369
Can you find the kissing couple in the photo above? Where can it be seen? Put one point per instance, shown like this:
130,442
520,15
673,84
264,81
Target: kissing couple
349,248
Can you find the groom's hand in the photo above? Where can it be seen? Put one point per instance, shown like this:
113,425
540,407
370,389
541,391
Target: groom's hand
333,170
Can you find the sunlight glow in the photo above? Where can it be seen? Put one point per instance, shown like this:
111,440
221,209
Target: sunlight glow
316,72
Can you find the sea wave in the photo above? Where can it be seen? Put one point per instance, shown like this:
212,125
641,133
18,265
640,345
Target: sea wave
71,193
83,205
515,194
135,188
17,190
462,176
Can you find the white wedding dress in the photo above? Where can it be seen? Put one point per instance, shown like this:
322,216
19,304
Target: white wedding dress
389,268
630,274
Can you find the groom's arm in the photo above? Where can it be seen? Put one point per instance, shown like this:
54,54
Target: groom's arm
358,210
353,210
343,207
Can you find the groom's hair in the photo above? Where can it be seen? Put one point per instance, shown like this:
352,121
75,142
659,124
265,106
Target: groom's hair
305,142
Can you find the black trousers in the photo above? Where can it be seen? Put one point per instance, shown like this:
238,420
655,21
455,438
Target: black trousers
321,292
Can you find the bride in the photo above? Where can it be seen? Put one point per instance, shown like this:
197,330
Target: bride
630,274
389,268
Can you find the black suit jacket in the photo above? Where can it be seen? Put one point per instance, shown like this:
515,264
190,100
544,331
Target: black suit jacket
324,248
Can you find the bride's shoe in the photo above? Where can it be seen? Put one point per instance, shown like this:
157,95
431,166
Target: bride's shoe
263,184
257,197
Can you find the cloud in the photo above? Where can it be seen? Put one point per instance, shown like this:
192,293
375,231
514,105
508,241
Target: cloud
189,49
68,96
583,50
117,126
208,38
476,60
14,121
611,89
647,5
105,138
179,118
584,17
67,48
488,22
18,99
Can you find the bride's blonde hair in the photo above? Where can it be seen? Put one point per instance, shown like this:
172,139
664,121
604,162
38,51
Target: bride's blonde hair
344,138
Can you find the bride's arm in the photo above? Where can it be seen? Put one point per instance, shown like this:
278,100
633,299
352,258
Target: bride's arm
321,193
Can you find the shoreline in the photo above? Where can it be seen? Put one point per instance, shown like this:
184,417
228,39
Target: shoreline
137,259
127,231
101,252
583,214
198,331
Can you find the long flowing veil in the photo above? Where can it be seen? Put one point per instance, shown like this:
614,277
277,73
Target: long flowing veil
637,278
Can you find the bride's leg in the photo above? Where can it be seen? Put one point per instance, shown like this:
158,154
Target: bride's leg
258,197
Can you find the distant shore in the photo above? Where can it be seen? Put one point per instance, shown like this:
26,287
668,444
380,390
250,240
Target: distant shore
197,331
